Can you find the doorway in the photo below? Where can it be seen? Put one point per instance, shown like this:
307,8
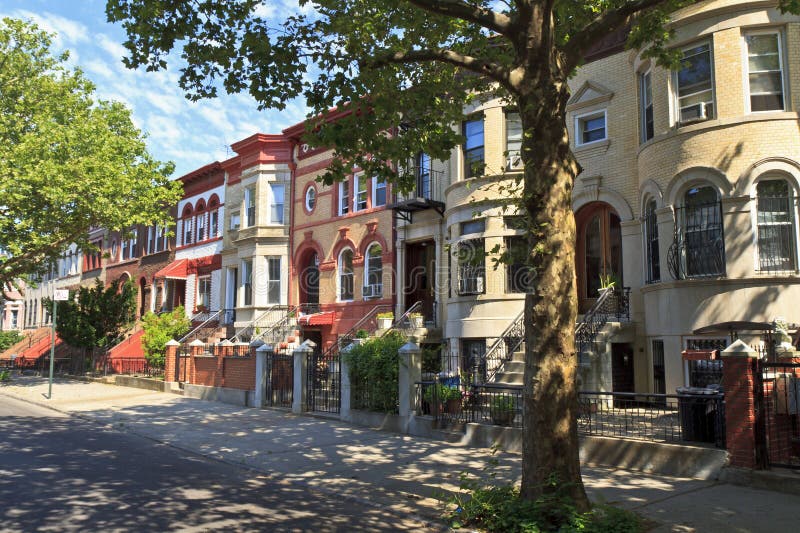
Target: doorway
599,254
420,277
622,376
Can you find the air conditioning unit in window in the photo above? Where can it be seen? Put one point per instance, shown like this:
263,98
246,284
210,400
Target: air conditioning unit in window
694,113
513,161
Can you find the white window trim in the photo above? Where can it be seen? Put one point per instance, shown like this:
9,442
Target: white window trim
675,101
767,176
366,272
309,191
197,296
356,178
340,197
589,115
642,110
746,69
339,276
375,192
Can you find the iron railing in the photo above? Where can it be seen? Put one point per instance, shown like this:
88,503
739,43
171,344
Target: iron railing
698,246
613,304
776,234
227,317
487,403
780,404
501,351
281,329
696,418
262,322
405,323
133,366
427,183
208,325
280,380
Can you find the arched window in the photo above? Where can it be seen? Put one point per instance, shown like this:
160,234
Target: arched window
346,275
187,225
373,279
201,221
699,249
775,226
213,224
652,259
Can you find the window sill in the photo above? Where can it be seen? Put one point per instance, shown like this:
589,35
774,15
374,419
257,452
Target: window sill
604,143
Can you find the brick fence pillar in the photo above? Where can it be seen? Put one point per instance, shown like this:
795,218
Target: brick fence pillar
196,348
739,369
171,361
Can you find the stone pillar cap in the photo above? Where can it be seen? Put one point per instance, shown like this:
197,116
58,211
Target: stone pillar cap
257,342
197,342
173,342
264,347
739,348
225,342
410,346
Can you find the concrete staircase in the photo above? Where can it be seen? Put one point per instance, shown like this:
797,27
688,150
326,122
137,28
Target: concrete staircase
511,371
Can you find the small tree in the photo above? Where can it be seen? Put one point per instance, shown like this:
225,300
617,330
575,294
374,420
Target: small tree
96,317
374,373
9,339
159,330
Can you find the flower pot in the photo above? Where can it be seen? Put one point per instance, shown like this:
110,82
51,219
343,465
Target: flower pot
384,323
452,406
503,418
416,322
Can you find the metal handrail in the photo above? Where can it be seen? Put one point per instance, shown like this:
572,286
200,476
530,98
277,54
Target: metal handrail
403,322
592,322
270,334
250,328
213,317
347,339
505,346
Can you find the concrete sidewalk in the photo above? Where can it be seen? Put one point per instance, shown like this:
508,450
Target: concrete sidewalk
398,473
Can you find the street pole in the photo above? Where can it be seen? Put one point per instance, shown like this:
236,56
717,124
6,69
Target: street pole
59,295
52,352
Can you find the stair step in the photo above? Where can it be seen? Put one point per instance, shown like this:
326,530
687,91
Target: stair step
509,378
514,366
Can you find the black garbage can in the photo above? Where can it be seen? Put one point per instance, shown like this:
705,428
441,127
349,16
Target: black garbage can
698,410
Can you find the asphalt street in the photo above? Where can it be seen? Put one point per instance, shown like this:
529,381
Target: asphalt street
62,473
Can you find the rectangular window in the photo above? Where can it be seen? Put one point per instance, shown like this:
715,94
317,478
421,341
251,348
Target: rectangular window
473,226
214,228
276,209
659,370
273,280
651,243
151,239
250,206
14,319
471,267
590,128
204,293
235,221
518,273
646,130
360,200
694,83
513,140
187,231
344,197
247,281
201,227
161,239
378,192
473,147
776,227
765,71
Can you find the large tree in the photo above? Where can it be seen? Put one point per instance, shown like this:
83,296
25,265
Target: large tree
68,162
414,66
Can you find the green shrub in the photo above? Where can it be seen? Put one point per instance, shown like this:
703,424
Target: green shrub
501,509
441,393
5,375
431,360
362,334
9,339
374,368
159,330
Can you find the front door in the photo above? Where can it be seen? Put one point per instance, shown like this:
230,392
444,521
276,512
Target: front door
622,379
419,279
599,254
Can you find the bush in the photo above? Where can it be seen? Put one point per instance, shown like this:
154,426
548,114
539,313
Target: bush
5,375
159,330
431,360
374,368
501,509
9,339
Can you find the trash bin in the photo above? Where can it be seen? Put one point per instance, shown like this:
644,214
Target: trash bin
698,408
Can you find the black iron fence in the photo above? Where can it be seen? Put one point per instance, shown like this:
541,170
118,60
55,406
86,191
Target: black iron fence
323,382
280,380
675,418
780,402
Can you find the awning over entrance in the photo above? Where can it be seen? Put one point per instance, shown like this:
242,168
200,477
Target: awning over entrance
734,326
176,270
317,319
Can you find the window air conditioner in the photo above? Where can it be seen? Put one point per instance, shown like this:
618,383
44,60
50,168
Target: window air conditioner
694,113
513,161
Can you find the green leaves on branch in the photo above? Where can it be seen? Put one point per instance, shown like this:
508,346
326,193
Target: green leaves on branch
68,162
159,330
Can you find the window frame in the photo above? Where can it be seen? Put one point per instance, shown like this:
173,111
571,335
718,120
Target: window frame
676,87
792,200
476,272
746,69
237,217
249,205
369,273
247,282
469,173
310,198
342,274
509,155
651,242
276,208
360,196
377,184
201,280
273,283
344,197
646,91
581,118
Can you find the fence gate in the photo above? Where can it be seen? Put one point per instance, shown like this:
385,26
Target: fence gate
780,410
324,382
280,380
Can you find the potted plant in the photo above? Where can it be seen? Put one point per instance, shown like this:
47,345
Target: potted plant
432,397
385,320
503,410
416,320
452,400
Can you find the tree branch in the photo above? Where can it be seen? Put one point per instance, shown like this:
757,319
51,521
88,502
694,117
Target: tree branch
602,25
484,68
487,18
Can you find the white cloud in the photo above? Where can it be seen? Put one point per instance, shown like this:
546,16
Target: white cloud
68,31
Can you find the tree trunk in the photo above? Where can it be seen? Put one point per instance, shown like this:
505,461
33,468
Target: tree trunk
550,437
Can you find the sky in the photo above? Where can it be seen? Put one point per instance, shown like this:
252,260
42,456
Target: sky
191,134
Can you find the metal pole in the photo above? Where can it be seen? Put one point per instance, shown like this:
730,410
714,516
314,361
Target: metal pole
52,352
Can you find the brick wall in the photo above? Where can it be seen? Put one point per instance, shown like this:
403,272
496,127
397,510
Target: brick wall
214,370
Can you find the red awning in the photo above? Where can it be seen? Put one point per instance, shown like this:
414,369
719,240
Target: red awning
176,270
317,319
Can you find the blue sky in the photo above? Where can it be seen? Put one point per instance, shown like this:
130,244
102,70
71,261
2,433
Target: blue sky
191,134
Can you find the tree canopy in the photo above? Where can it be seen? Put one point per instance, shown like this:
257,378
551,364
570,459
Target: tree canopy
371,68
68,161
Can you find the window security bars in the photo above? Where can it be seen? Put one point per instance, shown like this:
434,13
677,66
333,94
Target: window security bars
280,380
698,247
776,232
